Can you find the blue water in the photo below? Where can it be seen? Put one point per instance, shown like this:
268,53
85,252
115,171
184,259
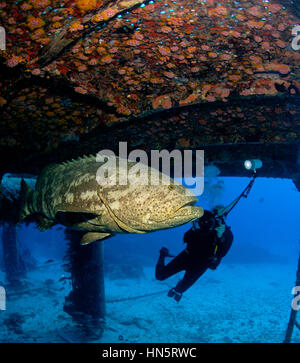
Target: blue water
267,219
251,286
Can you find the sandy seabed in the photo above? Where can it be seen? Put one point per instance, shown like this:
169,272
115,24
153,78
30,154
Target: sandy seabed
236,303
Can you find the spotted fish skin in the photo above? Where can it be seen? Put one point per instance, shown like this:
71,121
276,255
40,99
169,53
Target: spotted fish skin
70,194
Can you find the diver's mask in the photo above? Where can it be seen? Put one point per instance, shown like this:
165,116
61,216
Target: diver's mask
207,222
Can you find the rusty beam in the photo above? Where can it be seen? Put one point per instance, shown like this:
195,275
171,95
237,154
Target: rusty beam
66,38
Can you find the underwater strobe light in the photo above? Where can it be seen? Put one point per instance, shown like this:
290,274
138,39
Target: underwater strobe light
253,164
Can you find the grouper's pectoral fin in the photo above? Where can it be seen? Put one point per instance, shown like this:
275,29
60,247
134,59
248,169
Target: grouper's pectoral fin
69,218
94,236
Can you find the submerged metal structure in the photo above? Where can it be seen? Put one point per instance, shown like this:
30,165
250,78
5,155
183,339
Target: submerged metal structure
86,301
79,76
293,316
14,266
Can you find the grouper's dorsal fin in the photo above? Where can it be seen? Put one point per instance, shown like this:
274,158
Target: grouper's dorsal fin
80,159
85,158
116,219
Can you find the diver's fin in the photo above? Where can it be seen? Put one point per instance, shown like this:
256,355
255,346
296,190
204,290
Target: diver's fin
44,223
25,195
94,236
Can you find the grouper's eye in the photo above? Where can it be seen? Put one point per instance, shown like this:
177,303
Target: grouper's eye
171,186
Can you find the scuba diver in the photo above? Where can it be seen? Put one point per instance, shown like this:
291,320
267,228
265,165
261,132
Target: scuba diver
207,242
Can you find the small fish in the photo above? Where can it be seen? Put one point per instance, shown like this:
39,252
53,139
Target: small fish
63,278
270,75
49,261
180,80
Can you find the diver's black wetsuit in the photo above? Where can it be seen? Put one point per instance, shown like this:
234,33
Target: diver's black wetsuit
204,250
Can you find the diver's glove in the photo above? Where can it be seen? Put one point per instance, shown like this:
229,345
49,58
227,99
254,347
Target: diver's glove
213,263
220,230
164,252
175,294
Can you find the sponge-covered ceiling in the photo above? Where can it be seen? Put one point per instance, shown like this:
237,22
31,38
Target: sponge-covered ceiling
79,76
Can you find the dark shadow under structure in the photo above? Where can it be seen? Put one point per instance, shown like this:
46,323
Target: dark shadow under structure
13,264
86,301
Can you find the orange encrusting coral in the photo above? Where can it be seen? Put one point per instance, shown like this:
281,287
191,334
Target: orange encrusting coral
158,56
86,5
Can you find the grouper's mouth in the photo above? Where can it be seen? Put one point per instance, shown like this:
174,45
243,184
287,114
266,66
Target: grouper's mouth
188,212
188,204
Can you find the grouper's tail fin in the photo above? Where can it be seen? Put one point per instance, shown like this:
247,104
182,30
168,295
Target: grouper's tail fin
25,197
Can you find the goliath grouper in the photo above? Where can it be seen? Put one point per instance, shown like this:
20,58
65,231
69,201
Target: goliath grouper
70,194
